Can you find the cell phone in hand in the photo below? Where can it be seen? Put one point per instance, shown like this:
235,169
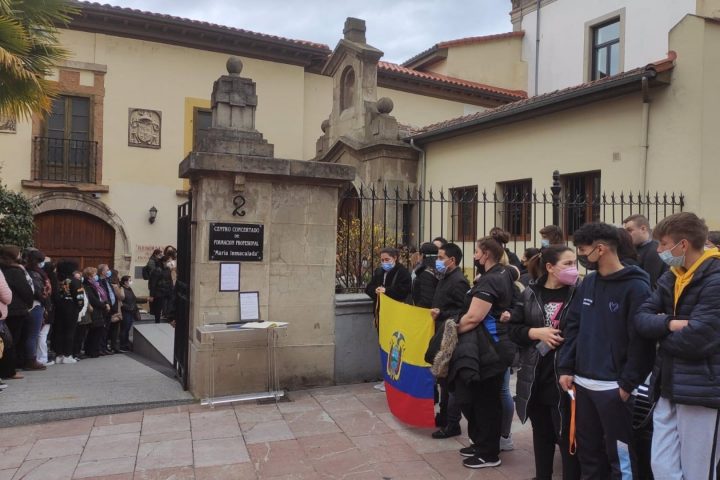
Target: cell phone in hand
543,348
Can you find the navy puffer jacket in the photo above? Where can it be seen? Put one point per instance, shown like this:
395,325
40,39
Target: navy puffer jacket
687,367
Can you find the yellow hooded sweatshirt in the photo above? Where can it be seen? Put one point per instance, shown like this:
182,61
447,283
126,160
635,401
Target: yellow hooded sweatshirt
683,277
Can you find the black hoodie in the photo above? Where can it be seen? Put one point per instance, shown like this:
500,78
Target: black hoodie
601,341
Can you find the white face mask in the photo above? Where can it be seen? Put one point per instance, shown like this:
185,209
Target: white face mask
129,284
170,264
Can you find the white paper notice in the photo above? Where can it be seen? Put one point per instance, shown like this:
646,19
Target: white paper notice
229,277
249,306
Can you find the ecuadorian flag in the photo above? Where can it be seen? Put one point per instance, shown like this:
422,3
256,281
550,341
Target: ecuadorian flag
405,332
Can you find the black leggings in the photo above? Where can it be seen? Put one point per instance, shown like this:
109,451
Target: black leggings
484,416
545,425
64,334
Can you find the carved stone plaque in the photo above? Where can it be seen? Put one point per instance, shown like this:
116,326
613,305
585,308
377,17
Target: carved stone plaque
144,127
8,124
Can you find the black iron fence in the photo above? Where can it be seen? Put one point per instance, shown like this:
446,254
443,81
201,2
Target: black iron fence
65,159
371,218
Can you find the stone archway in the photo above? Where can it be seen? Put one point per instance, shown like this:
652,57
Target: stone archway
50,201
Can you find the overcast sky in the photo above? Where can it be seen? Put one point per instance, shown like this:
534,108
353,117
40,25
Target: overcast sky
400,28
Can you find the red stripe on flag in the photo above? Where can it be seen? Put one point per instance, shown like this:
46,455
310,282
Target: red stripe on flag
419,412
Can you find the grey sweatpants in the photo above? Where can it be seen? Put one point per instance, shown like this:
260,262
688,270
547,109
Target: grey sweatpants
682,441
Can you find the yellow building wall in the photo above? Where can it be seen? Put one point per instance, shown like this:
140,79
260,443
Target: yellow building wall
497,62
409,111
573,141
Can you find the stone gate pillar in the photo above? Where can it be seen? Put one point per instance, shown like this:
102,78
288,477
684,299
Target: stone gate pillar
236,179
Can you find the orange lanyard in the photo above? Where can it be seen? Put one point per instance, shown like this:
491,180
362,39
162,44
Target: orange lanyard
573,443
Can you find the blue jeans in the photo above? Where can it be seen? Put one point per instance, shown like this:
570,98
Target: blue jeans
508,406
33,332
128,318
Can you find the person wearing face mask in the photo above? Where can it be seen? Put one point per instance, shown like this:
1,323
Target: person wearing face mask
683,315
603,357
109,331
161,287
99,302
18,316
551,235
483,354
424,278
536,326
34,263
130,312
448,302
69,301
392,279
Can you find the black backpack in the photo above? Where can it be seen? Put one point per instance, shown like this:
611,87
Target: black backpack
147,270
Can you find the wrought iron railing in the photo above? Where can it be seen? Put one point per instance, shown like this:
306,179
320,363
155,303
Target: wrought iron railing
65,159
373,217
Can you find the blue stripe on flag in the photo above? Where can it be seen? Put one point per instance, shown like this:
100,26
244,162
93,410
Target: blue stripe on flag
415,381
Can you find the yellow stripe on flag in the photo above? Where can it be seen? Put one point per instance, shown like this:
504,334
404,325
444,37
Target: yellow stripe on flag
413,326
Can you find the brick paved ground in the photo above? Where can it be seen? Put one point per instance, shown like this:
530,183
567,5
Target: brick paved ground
338,432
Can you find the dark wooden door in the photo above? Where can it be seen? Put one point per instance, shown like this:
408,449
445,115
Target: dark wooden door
71,235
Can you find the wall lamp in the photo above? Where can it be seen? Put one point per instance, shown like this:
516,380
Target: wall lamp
153,214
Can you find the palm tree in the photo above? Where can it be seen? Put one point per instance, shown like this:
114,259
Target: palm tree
29,48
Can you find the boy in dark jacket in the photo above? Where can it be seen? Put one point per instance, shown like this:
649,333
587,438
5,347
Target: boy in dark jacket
603,357
424,279
638,227
449,302
684,316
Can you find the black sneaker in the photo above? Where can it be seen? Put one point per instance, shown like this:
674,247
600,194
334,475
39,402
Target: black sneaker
447,432
468,451
477,462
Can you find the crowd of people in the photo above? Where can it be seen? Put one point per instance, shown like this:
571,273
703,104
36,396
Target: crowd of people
55,313
646,311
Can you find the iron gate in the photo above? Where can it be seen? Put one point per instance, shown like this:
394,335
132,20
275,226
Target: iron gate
182,291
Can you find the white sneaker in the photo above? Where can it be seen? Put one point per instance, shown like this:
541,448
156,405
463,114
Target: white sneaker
69,360
506,444
59,359
47,364
380,386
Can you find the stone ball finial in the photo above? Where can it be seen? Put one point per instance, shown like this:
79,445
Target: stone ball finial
325,125
234,66
385,105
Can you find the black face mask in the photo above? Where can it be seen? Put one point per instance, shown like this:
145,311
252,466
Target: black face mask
479,268
583,260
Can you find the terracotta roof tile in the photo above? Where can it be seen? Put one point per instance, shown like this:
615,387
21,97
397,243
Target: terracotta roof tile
456,123
265,36
458,82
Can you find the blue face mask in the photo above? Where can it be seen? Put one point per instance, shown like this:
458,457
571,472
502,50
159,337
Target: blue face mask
440,266
108,274
96,278
544,243
41,264
387,266
670,259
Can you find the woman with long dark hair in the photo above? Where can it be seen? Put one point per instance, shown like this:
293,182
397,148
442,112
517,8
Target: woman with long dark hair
69,301
536,326
34,263
98,300
18,315
483,355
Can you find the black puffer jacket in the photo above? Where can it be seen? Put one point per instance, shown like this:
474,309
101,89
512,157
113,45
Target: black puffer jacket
529,313
424,284
451,297
22,300
161,284
98,306
687,367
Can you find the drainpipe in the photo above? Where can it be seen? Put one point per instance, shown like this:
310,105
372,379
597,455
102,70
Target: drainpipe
644,132
422,184
537,44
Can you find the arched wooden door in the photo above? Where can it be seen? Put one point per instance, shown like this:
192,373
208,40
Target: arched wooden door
71,235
